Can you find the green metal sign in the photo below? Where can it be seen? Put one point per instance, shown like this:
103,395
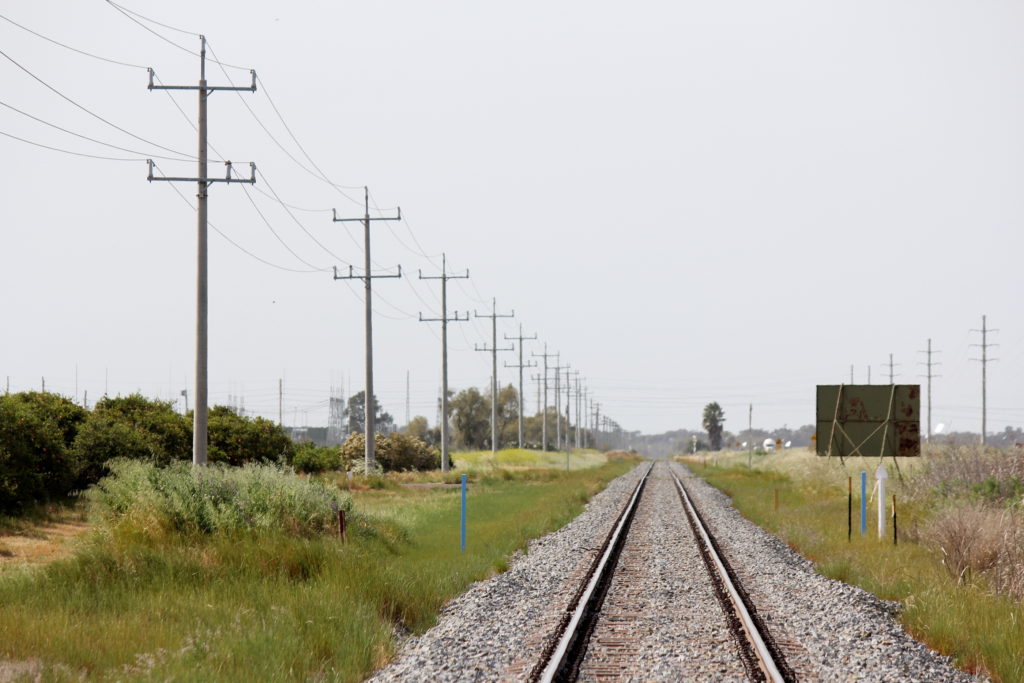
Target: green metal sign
870,420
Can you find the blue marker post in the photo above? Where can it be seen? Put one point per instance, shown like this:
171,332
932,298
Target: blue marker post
863,503
464,512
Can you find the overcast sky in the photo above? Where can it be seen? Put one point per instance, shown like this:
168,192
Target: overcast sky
690,201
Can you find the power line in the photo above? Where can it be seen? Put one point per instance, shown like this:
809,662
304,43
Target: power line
68,47
89,111
529,364
68,151
86,137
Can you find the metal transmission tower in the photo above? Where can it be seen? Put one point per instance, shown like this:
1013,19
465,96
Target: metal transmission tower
929,363
984,360
367,277
203,181
494,315
544,407
444,277
529,364
336,418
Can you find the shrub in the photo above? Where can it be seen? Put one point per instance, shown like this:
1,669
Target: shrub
133,427
237,440
35,461
982,540
395,452
311,458
180,498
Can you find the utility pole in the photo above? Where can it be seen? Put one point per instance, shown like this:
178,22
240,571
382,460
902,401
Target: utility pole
494,315
985,360
597,425
558,398
928,364
851,373
521,365
568,403
370,404
203,182
892,366
544,407
576,394
280,402
444,277
869,374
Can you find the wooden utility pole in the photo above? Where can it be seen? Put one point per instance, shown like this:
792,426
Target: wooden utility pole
520,366
444,277
494,315
370,404
203,181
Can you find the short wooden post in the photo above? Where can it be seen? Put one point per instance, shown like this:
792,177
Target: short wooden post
341,526
849,510
894,538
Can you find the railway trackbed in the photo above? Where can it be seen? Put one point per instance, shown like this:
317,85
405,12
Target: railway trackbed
657,616
660,600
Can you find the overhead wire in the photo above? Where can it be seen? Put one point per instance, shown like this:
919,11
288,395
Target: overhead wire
276,235
68,151
89,111
231,241
69,47
86,137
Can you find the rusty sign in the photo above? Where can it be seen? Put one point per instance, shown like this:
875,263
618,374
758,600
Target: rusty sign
871,420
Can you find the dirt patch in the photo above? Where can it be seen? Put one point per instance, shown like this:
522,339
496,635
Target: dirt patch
30,669
39,544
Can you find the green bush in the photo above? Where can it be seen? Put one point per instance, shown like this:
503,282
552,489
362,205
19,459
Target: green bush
394,452
143,498
35,462
311,458
133,427
237,440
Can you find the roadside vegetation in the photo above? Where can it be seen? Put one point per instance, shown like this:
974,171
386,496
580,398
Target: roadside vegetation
958,568
237,572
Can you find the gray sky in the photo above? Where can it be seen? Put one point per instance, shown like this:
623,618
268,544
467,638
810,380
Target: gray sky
691,201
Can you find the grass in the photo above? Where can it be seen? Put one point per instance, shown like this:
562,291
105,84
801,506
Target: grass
516,458
140,602
982,630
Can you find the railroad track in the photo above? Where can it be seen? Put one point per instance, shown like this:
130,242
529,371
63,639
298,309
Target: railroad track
605,630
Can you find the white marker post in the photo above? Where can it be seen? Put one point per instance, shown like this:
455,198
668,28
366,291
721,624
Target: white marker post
881,475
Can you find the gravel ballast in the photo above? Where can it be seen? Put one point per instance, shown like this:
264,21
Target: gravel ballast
828,630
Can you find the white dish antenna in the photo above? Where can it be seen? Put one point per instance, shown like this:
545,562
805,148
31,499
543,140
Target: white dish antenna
788,444
939,427
744,444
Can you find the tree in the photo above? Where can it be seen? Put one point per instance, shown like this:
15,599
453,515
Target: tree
508,416
714,418
418,428
471,417
356,414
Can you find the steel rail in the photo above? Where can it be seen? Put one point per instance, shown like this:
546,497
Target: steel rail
562,663
766,658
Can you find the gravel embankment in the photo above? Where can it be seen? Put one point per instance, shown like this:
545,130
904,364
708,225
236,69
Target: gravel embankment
497,629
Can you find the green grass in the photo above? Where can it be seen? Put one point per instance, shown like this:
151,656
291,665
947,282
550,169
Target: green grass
135,603
511,458
984,632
